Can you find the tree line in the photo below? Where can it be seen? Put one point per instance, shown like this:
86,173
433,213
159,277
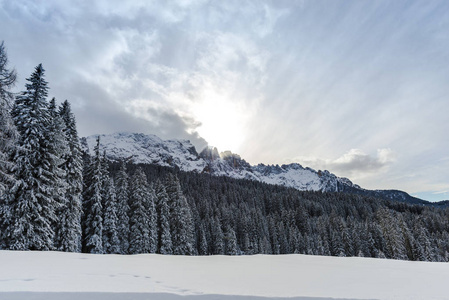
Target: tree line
244,217
53,196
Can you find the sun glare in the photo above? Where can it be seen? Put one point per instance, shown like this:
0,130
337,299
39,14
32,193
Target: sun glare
222,121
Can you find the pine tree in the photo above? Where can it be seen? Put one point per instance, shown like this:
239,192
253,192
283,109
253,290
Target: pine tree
231,242
202,241
150,204
122,191
73,166
423,248
32,197
111,242
218,246
181,222
59,149
105,194
139,221
274,237
163,216
394,243
8,132
93,209
8,143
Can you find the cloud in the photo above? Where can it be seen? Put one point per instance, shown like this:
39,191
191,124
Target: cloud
96,112
440,192
355,163
277,79
132,67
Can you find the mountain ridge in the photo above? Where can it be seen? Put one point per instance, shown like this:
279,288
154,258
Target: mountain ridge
176,153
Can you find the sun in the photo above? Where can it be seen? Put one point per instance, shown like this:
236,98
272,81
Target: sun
223,121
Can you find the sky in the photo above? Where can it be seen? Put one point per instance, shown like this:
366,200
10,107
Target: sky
359,88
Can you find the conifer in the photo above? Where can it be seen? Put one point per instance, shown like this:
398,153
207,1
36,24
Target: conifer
33,204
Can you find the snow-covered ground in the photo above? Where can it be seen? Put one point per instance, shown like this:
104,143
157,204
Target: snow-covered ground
64,276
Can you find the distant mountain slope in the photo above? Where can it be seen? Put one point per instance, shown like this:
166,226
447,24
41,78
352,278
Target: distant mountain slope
150,149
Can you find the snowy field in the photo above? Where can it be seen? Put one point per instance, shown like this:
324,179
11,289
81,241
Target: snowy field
63,276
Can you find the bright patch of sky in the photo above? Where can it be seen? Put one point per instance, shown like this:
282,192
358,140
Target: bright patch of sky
356,87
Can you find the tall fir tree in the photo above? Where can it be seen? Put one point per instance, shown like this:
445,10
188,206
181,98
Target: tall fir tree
111,242
218,247
163,220
139,220
32,197
122,194
181,222
393,238
59,149
8,132
8,143
150,205
231,241
92,205
105,193
73,166
202,241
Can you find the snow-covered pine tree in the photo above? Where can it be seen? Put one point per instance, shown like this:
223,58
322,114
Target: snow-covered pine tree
202,241
231,241
423,249
8,132
282,237
181,222
105,190
217,235
8,142
92,202
111,242
152,220
139,222
122,192
394,240
163,220
59,149
33,203
7,76
73,166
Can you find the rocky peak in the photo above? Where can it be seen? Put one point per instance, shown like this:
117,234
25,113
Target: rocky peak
210,153
234,160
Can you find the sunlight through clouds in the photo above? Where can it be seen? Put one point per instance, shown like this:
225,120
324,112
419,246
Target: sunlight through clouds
223,121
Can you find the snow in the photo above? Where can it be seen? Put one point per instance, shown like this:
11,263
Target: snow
150,149
56,275
309,181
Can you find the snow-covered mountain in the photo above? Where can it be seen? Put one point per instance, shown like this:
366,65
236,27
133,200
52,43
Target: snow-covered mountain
150,149
147,149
